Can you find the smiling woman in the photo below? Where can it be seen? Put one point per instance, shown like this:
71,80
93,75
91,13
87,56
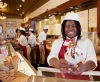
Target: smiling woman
72,53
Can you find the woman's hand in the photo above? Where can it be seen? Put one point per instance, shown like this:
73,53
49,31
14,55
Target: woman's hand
64,66
89,65
77,71
60,64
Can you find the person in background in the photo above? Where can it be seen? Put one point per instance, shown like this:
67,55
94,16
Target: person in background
22,25
72,54
23,43
42,47
17,34
32,43
43,35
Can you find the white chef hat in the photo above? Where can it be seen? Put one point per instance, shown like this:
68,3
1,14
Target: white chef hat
72,16
30,29
45,28
22,28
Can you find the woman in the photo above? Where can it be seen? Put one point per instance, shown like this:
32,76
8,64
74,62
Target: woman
72,53
17,34
23,43
32,43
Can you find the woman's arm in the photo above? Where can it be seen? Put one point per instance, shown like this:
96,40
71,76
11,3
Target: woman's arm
89,65
60,64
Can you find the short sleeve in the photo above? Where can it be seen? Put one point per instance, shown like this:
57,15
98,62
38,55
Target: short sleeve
24,41
54,51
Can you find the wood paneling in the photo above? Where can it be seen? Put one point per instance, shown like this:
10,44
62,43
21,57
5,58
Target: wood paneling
83,4
98,17
27,7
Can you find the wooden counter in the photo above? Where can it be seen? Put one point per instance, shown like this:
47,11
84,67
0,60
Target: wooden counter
54,79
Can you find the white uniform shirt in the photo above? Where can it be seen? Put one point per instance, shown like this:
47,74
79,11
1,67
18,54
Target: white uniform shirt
42,36
32,40
22,40
84,45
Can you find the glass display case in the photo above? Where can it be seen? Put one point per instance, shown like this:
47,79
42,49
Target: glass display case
12,64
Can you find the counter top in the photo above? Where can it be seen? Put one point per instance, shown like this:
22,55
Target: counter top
53,79
19,77
24,65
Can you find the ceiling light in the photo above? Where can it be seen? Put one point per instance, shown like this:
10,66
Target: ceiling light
3,4
17,9
22,12
20,5
46,19
2,16
71,7
23,0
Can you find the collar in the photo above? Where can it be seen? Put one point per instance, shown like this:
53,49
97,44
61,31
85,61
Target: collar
70,39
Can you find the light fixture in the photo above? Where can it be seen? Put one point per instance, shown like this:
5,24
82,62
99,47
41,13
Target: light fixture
2,16
20,5
3,5
22,12
71,7
23,0
46,19
17,9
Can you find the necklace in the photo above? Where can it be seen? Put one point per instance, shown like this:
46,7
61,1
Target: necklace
72,46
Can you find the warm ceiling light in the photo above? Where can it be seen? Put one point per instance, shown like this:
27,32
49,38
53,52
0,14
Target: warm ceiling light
3,4
17,9
3,17
20,5
46,19
23,0
22,12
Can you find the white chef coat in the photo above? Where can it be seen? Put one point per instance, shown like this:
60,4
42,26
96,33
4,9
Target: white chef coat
32,40
42,36
22,40
84,45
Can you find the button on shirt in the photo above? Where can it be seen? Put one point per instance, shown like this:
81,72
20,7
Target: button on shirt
32,40
42,36
84,45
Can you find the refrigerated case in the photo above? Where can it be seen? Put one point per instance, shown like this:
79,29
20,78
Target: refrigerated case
13,66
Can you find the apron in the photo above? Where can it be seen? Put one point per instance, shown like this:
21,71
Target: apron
24,50
68,76
33,55
28,53
42,48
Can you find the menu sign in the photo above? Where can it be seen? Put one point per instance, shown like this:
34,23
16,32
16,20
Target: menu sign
11,24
